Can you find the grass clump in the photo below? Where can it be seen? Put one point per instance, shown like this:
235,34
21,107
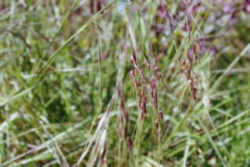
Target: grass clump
120,83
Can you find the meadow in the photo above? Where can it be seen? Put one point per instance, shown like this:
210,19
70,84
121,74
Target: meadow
119,83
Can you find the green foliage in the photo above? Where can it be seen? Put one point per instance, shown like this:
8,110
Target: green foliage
113,83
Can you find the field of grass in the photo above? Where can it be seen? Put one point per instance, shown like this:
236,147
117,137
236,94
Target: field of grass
119,83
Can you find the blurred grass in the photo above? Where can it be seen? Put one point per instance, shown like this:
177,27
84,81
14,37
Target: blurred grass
62,67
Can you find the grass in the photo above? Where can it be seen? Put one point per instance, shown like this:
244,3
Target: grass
119,83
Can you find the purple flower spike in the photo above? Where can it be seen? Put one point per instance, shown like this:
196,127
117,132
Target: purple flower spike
104,56
227,8
246,6
195,8
162,11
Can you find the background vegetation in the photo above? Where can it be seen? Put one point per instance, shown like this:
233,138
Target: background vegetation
125,83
